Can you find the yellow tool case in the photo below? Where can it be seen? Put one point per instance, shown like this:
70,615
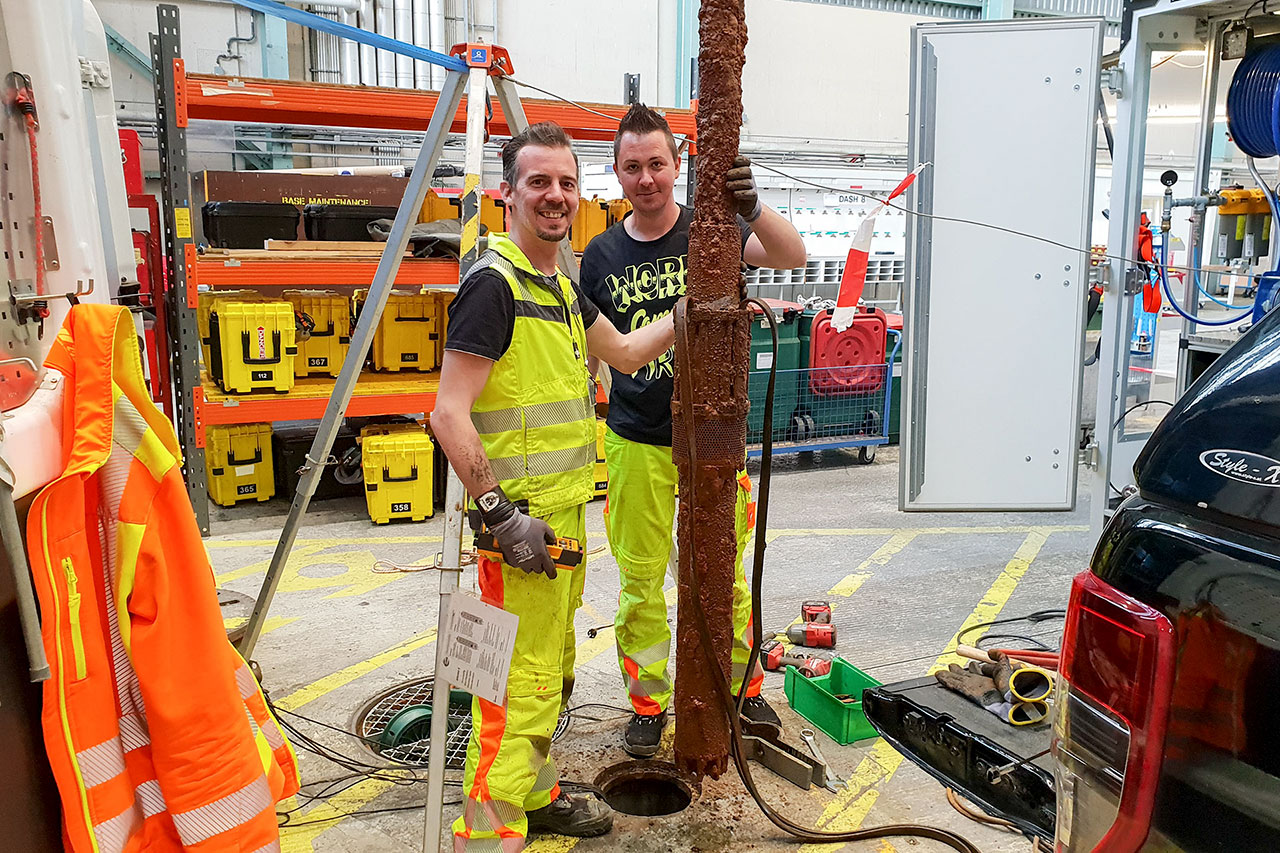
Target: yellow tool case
398,474
602,471
205,301
591,220
442,300
252,345
238,463
407,334
328,314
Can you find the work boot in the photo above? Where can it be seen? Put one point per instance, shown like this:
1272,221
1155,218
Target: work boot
581,816
643,734
755,709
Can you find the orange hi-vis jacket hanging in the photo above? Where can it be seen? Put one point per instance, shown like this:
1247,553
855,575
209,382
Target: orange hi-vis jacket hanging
158,735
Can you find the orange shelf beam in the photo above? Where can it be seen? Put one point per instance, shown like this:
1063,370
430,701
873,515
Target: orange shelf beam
248,99
375,394
220,272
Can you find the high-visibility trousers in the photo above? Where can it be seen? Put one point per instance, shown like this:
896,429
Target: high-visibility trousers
509,770
639,512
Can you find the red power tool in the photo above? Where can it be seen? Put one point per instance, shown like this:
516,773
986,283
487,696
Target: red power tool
816,611
814,635
774,657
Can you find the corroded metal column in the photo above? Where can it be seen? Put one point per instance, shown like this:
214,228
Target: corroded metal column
710,404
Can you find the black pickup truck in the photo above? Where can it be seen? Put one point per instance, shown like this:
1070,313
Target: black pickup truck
1165,735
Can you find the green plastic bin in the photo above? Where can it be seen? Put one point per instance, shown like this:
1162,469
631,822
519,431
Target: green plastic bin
815,700
786,391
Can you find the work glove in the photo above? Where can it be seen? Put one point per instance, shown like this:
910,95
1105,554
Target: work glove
523,540
1019,682
982,691
742,184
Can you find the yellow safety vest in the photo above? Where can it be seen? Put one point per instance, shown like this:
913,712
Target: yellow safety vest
535,415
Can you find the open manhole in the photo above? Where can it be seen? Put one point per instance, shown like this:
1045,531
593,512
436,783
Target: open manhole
646,788
396,724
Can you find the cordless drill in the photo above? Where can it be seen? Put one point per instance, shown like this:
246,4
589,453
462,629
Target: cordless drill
773,657
814,635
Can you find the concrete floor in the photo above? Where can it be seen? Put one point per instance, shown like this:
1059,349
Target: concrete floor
902,585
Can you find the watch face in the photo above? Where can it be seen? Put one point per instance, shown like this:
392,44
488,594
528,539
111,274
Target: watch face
487,501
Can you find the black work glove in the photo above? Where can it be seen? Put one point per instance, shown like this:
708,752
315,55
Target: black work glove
523,540
742,184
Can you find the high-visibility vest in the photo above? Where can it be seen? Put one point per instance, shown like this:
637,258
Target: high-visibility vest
158,735
535,416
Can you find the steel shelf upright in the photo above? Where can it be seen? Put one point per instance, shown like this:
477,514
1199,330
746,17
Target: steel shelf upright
171,121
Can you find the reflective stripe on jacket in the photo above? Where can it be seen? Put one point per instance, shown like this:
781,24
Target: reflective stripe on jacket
157,732
535,416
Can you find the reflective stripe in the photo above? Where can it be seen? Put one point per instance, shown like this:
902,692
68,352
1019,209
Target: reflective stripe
272,733
652,655
538,311
273,847
112,835
543,464
151,799
133,732
101,763
245,681
538,415
647,686
233,810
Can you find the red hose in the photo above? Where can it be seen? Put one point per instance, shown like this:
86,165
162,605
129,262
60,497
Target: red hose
26,105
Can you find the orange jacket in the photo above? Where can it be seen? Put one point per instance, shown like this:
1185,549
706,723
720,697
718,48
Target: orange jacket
158,735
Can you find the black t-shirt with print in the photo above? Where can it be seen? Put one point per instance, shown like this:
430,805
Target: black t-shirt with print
635,282
482,316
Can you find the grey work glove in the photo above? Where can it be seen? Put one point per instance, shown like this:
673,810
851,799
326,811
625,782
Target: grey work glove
524,542
742,184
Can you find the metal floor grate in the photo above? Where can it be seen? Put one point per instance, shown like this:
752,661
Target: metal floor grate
374,718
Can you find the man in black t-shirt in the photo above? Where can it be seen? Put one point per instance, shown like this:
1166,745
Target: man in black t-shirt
635,273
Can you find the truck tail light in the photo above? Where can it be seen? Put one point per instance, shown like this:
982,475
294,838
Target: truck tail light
1111,712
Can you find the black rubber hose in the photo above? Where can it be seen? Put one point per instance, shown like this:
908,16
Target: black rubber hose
762,508
803,833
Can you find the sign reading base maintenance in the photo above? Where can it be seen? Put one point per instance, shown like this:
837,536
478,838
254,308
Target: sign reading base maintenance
479,641
995,319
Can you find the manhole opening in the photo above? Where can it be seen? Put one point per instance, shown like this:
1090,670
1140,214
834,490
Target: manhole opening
405,709
646,788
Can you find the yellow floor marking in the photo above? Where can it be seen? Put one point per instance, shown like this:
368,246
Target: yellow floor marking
848,810
272,623
323,542
853,581
777,533
297,558
299,839
996,598
342,677
551,844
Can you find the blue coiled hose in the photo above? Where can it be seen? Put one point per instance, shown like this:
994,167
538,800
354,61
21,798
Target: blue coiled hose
1253,103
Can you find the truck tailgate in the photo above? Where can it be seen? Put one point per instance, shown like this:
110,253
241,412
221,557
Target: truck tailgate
1003,768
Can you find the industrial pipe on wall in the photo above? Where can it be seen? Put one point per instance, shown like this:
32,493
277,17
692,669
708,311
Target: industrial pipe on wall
368,54
436,31
421,38
384,15
402,13
350,51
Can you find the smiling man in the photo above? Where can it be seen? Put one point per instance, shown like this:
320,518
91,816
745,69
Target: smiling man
635,272
515,416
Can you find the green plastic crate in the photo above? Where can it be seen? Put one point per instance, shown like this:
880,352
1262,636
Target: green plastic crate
815,700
